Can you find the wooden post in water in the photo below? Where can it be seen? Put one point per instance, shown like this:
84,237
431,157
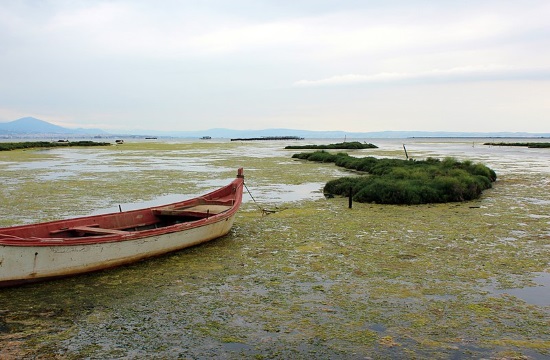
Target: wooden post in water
404,148
350,197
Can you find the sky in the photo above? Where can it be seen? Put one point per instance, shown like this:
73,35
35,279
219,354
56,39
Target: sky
347,65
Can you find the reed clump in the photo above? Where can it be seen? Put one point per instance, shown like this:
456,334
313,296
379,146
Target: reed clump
351,145
47,144
534,145
394,181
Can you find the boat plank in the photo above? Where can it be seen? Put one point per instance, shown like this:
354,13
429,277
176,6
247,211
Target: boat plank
199,211
97,230
211,208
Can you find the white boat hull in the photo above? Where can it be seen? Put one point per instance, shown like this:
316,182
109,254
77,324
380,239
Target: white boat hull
32,263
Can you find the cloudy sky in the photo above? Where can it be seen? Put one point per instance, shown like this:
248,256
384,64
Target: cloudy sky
350,65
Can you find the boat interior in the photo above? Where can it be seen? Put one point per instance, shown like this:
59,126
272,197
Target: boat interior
122,223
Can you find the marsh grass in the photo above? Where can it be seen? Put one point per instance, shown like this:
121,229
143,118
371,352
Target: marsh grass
411,182
312,280
8,146
342,145
538,145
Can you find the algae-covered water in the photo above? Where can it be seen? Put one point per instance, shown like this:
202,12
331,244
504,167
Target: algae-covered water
313,279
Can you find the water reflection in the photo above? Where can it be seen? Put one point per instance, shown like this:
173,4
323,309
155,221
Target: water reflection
281,193
539,294
273,195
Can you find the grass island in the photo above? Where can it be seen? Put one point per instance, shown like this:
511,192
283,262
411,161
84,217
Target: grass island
394,181
341,146
526,144
7,146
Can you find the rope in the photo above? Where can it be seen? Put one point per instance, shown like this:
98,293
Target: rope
264,211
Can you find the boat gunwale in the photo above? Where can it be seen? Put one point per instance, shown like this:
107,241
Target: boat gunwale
11,240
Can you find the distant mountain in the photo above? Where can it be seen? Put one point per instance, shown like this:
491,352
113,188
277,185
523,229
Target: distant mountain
231,133
31,126
309,134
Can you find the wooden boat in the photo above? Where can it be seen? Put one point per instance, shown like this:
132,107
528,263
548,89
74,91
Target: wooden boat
67,247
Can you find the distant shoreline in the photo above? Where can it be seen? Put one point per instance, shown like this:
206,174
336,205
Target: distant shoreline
269,138
475,137
35,128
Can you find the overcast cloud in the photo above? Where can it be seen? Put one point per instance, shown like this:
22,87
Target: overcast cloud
318,65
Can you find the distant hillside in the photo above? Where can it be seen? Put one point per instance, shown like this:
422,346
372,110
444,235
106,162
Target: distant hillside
31,126
309,134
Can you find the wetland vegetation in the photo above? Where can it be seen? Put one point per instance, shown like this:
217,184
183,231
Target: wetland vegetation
313,279
7,146
394,181
536,145
341,146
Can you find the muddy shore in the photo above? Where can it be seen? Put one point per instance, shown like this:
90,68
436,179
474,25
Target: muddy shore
313,279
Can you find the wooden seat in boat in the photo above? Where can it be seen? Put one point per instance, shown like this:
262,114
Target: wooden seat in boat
97,230
199,211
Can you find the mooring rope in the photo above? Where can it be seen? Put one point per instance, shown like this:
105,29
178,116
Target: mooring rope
264,211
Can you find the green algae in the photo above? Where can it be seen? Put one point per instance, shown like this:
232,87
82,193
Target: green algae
312,279
7,146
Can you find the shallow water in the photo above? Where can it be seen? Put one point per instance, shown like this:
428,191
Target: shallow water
537,294
312,280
